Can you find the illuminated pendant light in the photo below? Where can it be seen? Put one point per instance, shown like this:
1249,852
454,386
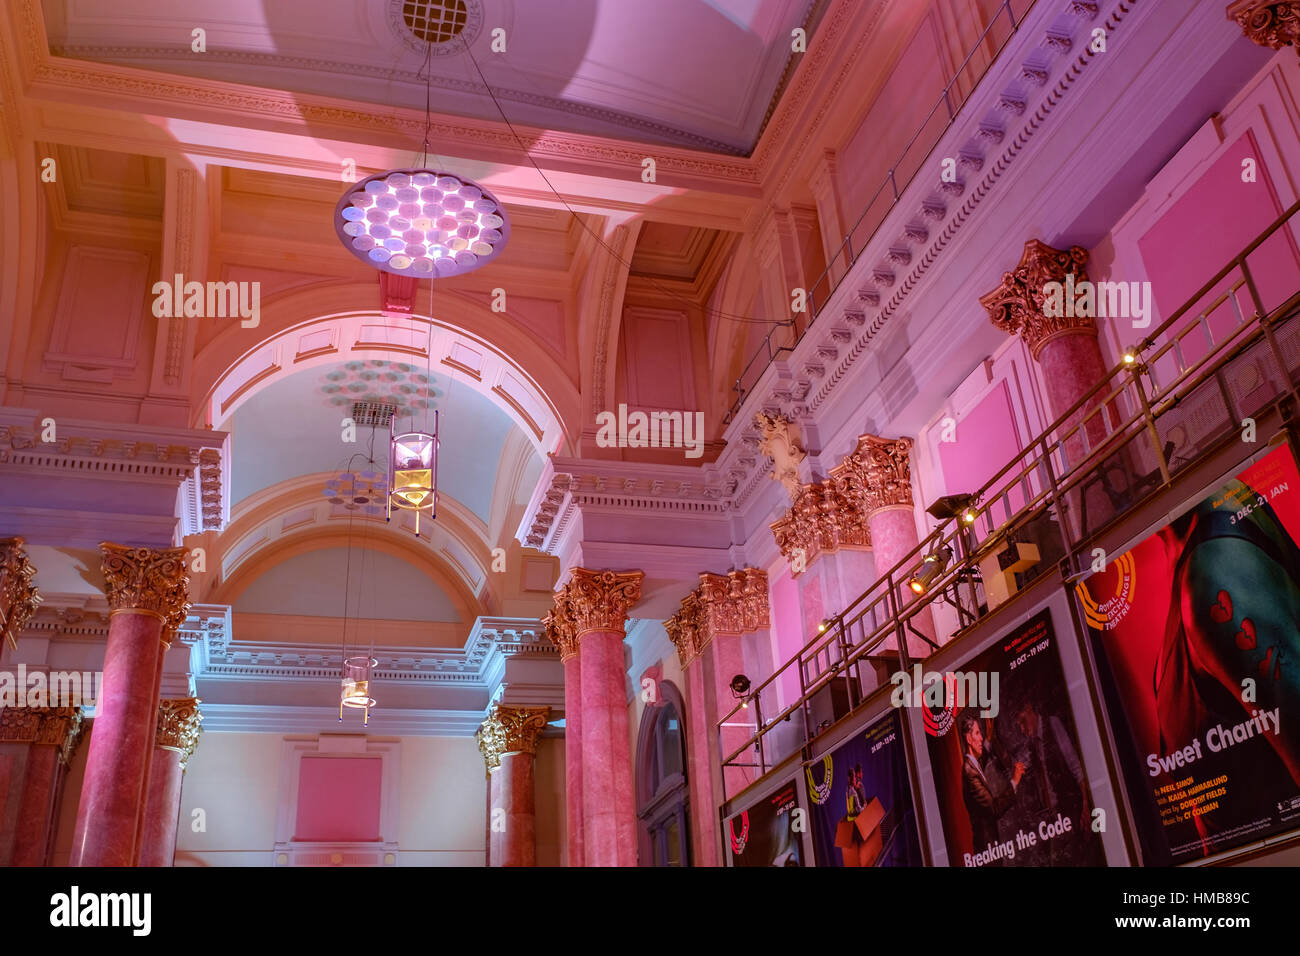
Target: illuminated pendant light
421,223
413,472
356,686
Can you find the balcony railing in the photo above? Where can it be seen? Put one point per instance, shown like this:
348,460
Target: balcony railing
784,336
1205,369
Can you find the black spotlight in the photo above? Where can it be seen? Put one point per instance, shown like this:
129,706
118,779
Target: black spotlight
953,506
740,689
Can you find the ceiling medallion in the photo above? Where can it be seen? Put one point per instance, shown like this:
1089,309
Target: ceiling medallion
436,27
421,223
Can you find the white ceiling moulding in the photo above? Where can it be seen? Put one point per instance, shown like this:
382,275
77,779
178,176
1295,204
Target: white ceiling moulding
285,719
188,466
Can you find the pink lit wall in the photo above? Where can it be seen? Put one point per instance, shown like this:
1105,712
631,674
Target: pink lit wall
338,799
986,440
1181,253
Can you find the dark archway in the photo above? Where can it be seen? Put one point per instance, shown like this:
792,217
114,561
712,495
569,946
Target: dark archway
664,835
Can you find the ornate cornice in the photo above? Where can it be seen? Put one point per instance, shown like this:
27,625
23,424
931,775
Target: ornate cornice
780,442
731,603
151,579
18,596
53,726
1016,305
599,600
510,730
877,474
1268,22
822,519
178,726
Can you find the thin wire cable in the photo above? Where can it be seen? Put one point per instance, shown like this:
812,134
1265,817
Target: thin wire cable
732,316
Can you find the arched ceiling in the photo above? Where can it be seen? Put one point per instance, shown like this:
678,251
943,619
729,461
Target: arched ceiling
700,74
295,426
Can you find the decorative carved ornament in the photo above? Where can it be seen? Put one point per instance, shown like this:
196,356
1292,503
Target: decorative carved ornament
821,519
510,730
780,442
1016,306
732,603
54,726
149,579
1267,22
877,474
18,596
178,726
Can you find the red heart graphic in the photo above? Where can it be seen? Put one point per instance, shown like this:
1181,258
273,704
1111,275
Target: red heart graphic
1221,612
1263,665
1246,636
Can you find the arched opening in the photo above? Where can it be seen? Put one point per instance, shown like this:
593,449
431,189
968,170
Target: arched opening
664,837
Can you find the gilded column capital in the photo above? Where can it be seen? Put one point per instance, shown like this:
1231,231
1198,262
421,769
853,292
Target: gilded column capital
731,603
52,726
148,579
491,742
780,441
62,727
560,628
600,599
1268,22
18,596
821,519
178,726
684,629
516,729
1017,305
877,474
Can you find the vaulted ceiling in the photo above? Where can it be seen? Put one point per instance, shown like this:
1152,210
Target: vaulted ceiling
700,74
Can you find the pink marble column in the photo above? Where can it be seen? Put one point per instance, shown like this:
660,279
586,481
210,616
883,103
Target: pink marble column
729,660
57,736
147,590
704,835
508,740
573,756
608,799
589,617
893,537
175,741
519,801
141,823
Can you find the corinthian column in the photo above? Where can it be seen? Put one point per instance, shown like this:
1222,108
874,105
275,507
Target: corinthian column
877,476
510,736
1065,347
52,734
561,629
175,740
599,602
148,591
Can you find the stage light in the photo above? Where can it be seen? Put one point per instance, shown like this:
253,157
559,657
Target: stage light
932,565
953,506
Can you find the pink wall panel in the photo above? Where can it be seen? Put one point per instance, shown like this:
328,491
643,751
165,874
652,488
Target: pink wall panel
657,356
986,441
338,799
1207,226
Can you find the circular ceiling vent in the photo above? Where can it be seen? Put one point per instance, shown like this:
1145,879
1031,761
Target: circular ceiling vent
439,27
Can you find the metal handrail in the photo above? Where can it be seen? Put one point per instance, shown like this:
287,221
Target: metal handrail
1046,478
766,347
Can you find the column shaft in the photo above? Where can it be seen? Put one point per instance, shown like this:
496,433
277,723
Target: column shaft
608,800
519,843
120,741
699,750
35,823
573,758
162,809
